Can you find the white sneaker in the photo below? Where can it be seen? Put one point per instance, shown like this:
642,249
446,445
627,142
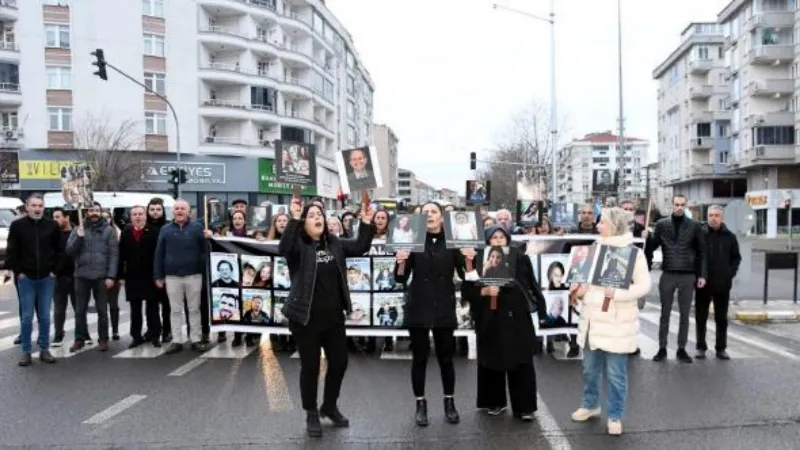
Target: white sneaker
614,427
584,414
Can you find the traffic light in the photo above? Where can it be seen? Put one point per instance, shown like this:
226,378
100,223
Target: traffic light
182,176
473,161
787,204
174,180
100,63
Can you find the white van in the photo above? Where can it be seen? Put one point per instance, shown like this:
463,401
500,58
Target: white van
120,203
8,212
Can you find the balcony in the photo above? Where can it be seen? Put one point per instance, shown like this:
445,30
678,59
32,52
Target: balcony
700,66
701,92
9,51
701,170
771,119
702,143
770,19
8,10
771,54
767,155
775,87
217,36
10,94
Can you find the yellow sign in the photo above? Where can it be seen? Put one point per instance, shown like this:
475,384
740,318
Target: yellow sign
754,200
42,170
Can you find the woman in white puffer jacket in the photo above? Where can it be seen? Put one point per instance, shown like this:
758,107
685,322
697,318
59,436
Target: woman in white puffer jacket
608,337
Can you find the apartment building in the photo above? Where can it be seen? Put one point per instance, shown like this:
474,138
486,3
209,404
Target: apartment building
240,74
760,39
599,151
452,197
413,190
694,119
657,192
385,142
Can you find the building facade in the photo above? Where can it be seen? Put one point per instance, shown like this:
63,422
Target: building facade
600,151
657,192
239,74
385,142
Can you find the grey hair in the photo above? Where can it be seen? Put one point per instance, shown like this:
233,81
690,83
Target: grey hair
34,196
617,220
505,211
717,208
139,207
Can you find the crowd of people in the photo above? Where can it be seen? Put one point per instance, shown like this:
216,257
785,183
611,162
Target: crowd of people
161,266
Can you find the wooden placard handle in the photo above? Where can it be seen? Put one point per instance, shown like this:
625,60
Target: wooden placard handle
468,264
493,303
205,211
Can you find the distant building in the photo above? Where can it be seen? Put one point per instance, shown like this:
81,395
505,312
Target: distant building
385,142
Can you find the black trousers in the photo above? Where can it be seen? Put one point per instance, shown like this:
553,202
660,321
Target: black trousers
113,307
152,311
310,338
445,345
521,388
702,302
63,294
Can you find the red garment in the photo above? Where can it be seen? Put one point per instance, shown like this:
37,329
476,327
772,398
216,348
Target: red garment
137,234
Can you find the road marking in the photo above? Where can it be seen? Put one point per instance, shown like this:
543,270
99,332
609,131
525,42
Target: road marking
274,379
4,313
7,342
296,355
225,351
188,367
143,351
553,433
63,351
647,345
674,327
114,409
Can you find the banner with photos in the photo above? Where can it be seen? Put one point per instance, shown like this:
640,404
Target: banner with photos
248,283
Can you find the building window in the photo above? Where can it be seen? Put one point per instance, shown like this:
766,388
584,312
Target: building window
153,8
154,45
351,60
60,119
351,84
59,77
156,82
351,109
56,36
56,2
155,123
351,135
327,90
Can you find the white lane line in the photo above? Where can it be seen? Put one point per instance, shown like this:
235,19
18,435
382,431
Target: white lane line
225,351
674,327
553,433
188,367
144,351
7,342
114,409
63,351
648,346
3,313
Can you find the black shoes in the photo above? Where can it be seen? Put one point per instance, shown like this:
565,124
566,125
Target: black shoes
574,352
237,340
136,342
450,412
661,355
682,356
18,340
166,338
334,415
313,427
174,348
46,357
421,416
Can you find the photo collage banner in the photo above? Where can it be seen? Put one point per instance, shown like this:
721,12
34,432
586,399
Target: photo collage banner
249,283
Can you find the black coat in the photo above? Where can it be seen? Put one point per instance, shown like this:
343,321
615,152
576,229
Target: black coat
34,247
684,252
301,257
722,248
431,299
66,265
136,262
505,336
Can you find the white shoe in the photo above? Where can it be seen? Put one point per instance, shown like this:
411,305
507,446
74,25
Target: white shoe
614,427
584,414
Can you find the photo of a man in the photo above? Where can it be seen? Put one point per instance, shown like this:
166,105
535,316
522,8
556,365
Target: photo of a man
478,192
360,172
603,182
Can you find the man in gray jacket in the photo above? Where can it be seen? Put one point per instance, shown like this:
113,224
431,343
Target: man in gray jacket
94,248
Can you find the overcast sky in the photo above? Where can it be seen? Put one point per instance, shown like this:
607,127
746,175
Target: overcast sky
450,74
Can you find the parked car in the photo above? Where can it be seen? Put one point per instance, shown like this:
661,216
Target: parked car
8,212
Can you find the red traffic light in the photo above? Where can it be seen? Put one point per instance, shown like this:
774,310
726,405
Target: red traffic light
787,203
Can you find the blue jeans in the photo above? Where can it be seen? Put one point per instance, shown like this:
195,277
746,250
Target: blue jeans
36,294
615,366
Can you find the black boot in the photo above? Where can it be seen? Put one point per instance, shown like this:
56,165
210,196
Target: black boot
313,427
333,414
421,416
450,413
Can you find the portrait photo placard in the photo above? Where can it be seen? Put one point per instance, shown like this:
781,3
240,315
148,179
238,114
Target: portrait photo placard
495,269
259,217
563,215
604,182
407,234
295,163
581,262
359,169
614,268
478,192
463,229
225,270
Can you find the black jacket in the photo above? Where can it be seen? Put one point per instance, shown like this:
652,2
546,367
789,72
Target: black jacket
66,265
301,257
34,247
505,336
722,249
136,262
684,252
431,300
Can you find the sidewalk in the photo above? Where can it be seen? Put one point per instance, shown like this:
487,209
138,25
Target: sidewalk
755,311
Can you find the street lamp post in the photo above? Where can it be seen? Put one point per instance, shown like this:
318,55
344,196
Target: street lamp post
551,19
621,142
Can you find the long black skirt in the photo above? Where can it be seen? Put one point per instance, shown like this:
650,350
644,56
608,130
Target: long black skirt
521,388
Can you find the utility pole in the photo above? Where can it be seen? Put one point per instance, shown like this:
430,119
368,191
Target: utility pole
621,143
101,64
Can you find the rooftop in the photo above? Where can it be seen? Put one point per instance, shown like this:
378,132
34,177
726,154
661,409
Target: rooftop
606,137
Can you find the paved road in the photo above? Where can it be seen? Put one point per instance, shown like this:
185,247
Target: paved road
250,399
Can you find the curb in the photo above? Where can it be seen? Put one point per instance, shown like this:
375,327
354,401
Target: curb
767,316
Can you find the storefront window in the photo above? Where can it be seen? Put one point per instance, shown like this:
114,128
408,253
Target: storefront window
783,220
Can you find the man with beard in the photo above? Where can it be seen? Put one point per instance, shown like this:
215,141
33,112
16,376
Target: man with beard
156,220
95,250
34,248
65,283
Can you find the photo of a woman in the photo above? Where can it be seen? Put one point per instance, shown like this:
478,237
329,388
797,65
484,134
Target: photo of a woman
402,233
554,273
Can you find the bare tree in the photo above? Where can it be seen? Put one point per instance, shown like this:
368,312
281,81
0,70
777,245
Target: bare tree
526,141
113,152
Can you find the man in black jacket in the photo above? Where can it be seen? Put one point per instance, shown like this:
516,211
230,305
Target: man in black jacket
34,248
723,249
65,282
684,266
